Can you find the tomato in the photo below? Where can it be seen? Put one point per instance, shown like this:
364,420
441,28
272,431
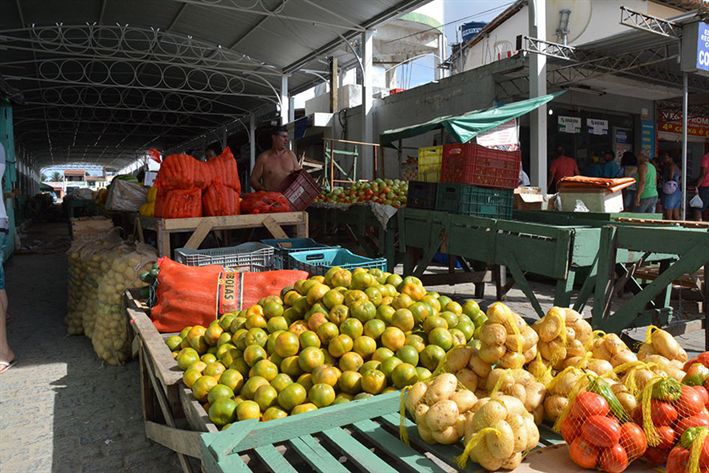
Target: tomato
703,393
677,460
613,459
589,404
697,373
693,421
601,431
668,437
638,415
690,402
570,429
633,439
583,453
703,358
663,413
656,456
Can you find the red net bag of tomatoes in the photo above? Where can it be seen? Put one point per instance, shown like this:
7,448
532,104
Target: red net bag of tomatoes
264,202
666,409
691,454
598,430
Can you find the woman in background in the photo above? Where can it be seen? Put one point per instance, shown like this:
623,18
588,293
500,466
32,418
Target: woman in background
646,195
629,165
671,191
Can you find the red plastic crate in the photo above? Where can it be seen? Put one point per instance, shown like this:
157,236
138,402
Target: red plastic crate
474,164
300,189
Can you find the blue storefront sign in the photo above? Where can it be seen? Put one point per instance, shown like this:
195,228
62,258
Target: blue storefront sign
703,46
647,137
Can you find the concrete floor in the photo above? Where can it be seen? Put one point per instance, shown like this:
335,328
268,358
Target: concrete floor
62,410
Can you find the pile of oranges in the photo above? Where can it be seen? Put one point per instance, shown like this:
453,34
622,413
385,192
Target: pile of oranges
327,340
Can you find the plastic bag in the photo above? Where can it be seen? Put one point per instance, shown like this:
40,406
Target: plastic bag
696,202
112,334
218,199
197,295
598,430
124,195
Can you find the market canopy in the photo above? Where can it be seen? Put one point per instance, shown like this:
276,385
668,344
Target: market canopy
464,128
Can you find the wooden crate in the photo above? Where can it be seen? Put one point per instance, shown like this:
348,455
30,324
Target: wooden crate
358,435
83,227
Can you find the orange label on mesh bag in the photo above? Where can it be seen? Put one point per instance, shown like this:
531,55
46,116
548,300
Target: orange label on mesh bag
228,294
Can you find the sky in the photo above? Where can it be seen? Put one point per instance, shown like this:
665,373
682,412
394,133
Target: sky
455,13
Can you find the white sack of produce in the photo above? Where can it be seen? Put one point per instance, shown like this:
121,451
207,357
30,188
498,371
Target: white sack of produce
112,336
124,195
76,279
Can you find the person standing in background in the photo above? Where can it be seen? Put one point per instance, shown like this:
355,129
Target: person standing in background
7,357
594,169
703,188
671,196
646,196
562,166
611,169
629,166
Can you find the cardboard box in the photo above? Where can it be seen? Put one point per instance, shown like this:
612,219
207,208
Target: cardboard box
528,198
595,201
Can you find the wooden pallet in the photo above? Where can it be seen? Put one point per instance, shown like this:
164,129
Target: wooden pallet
356,436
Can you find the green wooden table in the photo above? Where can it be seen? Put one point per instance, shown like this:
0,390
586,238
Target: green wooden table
359,435
356,227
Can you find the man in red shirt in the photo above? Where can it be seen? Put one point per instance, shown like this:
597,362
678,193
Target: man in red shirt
562,166
703,188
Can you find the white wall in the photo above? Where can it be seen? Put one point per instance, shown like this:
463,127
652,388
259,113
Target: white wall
594,20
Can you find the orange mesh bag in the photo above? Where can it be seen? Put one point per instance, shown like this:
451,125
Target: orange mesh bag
666,409
179,203
691,455
222,170
264,202
218,200
597,428
197,295
181,171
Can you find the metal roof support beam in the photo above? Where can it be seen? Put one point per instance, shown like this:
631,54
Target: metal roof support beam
537,88
649,23
252,141
367,44
545,48
284,100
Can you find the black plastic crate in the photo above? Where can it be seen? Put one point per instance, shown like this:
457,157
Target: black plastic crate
421,195
465,199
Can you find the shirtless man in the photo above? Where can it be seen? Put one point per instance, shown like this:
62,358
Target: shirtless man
274,165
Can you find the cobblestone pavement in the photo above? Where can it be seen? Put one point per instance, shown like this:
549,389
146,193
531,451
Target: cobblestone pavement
61,410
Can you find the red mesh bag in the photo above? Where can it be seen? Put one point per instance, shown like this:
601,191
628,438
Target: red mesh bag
179,203
222,170
197,295
264,202
181,171
218,200
666,409
598,430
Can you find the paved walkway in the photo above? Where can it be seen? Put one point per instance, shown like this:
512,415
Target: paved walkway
61,410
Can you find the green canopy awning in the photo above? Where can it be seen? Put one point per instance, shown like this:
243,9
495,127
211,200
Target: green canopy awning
464,128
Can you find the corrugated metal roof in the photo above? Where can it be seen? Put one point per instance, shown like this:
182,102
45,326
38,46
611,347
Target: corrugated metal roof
105,79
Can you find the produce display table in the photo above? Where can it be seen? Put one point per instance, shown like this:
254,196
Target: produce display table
201,226
364,433
362,229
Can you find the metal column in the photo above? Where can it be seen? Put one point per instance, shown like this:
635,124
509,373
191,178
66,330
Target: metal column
537,88
252,141
685,111
367,102
284,99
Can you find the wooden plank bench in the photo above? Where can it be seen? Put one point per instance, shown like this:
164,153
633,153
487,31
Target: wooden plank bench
359,435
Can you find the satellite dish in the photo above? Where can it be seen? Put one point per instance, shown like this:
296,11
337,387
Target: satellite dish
576,21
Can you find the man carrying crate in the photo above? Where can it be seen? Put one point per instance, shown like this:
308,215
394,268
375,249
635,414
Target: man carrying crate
274,165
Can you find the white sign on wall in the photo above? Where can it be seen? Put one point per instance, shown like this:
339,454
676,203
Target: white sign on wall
503,135
596,126
569,124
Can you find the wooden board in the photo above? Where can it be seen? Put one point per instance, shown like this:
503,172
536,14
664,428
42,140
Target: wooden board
222,223
556,458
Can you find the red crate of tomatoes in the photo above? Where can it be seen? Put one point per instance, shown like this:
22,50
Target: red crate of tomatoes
473,164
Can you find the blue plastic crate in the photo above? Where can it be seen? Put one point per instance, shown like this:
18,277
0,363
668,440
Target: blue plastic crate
320,261
285,246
